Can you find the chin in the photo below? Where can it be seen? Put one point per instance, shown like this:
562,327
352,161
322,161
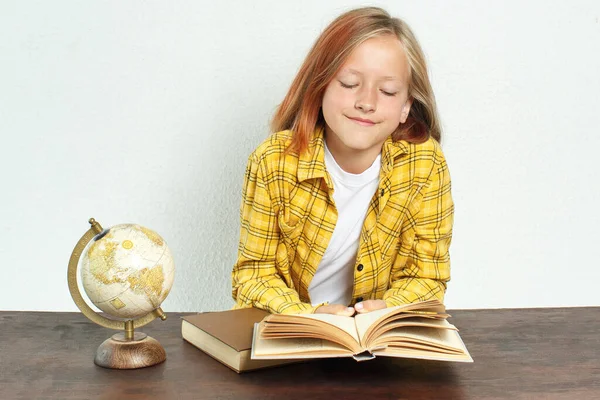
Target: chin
358,145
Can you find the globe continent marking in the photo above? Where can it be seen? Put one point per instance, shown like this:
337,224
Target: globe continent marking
128,272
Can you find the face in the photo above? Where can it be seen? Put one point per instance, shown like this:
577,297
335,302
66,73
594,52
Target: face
367,99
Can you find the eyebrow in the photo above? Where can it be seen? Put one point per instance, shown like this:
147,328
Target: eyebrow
386,78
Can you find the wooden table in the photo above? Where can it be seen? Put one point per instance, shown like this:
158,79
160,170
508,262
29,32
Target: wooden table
519,354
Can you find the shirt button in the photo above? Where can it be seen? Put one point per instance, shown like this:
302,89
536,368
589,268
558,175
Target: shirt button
382,192
359,299
360,267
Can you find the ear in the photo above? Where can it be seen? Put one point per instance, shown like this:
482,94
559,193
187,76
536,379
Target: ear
406,110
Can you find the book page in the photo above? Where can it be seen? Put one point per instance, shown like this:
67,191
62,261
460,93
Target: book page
370,321
345,324
437,344
294,348
287,331
364,321
406,322
432,337
422,354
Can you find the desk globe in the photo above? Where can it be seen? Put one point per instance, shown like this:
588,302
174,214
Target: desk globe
127,271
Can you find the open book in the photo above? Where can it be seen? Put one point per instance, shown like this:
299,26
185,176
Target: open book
418,330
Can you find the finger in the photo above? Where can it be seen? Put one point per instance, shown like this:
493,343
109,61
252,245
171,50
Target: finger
346,311
336,309
369,305
324,310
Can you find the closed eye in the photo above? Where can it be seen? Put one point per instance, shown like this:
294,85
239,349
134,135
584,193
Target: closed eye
386,93
347,86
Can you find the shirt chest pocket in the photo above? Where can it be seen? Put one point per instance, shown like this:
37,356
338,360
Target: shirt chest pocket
295,206
290,227
290,231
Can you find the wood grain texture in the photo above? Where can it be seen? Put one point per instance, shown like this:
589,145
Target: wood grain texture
118,353
519,354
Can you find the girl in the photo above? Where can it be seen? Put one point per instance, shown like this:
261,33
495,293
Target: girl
346,207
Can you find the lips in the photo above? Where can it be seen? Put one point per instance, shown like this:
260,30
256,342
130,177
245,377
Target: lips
362,121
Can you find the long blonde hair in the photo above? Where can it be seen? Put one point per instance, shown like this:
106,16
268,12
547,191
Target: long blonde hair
300,110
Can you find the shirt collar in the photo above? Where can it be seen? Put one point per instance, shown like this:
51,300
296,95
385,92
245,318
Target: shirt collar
392,149
311,163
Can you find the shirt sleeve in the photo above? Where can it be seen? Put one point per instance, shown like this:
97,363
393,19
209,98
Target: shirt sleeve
256,281
422,266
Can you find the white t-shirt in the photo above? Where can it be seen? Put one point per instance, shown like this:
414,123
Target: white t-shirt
352,195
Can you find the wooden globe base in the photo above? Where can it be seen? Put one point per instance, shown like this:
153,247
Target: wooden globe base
117,352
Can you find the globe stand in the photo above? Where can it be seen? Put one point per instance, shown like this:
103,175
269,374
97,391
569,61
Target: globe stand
129,350
124,350
118,352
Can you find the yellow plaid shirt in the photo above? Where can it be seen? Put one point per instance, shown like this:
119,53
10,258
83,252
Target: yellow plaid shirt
288,216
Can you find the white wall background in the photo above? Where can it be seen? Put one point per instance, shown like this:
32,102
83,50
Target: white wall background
146,111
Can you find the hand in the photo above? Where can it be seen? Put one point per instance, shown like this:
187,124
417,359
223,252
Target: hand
336,309
369,305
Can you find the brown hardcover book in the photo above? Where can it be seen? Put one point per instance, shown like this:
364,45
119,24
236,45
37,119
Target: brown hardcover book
226,336
418,330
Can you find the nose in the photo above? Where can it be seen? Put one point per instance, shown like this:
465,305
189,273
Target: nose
366,100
